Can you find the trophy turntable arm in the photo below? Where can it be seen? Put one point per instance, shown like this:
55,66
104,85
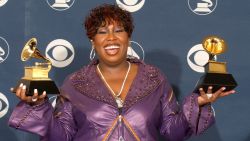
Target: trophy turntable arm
48,64
43,64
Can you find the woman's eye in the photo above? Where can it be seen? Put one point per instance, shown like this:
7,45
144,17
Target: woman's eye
102,32
119,30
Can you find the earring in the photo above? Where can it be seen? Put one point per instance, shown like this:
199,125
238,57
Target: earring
132,54
92,54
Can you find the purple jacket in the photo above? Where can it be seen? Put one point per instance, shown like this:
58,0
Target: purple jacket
90,112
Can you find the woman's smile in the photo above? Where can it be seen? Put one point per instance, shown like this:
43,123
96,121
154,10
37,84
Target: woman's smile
112,50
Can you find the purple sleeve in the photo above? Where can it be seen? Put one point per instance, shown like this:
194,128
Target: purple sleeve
179,124
43,121
199,118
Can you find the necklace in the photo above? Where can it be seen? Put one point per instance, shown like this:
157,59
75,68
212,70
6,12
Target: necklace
118,100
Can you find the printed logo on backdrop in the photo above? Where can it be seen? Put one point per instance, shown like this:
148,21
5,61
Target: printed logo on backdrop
4,49
202,7
135,50
60,52
4,105
52,100
131,5
3,2
197,57
60,5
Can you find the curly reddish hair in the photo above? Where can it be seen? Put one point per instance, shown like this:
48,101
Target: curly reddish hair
106,14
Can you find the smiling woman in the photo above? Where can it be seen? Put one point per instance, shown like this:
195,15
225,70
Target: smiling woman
115,97
111,44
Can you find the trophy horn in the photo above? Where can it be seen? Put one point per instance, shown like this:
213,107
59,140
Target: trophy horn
216,74
36,77
30,50
214,45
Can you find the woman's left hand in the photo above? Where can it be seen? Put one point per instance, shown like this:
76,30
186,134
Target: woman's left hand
210,97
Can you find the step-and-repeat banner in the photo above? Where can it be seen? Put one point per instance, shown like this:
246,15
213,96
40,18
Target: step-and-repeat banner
169,31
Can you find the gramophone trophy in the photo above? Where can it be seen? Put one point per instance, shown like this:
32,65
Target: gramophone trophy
36,77
216,74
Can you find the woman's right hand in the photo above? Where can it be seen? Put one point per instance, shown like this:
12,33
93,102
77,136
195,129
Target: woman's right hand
35,99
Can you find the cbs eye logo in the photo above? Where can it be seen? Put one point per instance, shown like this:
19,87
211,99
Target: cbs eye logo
52,100
131,5
3,2
197,57
4,105
60,52
4,49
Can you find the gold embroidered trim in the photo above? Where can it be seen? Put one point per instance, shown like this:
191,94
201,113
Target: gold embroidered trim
131,129
171,96
127,125
110,129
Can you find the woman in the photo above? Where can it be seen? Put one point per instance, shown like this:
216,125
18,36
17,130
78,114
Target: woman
114,98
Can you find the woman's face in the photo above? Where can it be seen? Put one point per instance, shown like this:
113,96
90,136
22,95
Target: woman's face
111,43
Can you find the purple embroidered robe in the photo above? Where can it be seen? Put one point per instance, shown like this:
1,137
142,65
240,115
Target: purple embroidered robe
90,112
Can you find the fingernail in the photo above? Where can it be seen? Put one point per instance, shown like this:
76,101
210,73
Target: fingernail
223,88
200,89
44,92
24,87
210,87
35,90
21,85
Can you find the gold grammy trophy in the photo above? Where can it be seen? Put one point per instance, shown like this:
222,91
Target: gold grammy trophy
216,74
36,77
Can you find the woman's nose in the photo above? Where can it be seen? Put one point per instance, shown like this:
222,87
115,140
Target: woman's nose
111,36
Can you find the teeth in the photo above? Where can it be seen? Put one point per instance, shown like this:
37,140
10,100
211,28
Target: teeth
112,47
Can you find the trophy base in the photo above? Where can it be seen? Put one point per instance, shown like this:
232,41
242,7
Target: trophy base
216,80
41,85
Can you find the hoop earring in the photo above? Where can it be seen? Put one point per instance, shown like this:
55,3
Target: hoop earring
92,54
132,54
